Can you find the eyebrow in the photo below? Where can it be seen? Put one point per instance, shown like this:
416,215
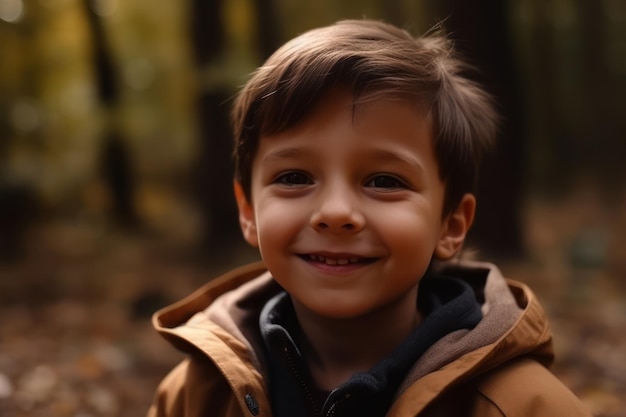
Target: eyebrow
285,153
387,155
384,155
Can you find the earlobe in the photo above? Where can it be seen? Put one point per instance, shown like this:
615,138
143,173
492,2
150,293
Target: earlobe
247,220
455,228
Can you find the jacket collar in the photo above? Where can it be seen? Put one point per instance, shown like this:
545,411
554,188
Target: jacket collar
218,317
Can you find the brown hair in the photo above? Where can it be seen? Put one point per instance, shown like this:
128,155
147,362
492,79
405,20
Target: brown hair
372,59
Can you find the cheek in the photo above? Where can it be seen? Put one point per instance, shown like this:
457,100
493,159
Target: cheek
277,222
411,230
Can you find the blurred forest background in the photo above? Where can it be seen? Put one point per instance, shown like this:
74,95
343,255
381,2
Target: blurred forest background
115,177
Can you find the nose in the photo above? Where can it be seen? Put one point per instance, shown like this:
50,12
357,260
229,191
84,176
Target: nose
338,212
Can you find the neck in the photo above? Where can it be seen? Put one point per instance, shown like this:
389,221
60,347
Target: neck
335,349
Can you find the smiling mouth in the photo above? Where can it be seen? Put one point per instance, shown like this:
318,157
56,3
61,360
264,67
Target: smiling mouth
336,261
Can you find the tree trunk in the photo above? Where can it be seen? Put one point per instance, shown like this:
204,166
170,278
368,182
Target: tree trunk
116,162
603,146
480,29
269,35
213,174
551,139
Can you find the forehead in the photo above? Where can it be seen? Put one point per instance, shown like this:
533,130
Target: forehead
385,128
382,109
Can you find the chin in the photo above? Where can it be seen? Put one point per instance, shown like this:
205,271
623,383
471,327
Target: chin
339,312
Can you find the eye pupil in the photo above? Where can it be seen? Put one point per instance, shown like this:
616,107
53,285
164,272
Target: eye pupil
294,178
384,181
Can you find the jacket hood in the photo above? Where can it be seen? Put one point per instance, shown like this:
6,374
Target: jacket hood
514,325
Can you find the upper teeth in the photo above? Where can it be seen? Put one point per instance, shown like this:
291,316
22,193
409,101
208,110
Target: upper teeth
333,261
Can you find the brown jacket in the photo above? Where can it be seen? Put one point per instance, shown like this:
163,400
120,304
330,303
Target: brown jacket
495,369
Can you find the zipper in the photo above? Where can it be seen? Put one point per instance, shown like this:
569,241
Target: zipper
333,407
303,383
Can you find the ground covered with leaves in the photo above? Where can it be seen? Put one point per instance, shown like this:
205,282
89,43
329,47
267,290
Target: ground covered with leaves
76,339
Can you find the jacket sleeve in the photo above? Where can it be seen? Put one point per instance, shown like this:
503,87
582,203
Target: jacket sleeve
194,389
525,388
169,398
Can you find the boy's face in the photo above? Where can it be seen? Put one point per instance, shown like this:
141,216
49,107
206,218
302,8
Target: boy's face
346,207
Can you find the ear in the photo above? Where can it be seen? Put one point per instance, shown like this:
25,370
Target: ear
455,228
247,220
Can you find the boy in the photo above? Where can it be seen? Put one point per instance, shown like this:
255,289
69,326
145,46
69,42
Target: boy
356,150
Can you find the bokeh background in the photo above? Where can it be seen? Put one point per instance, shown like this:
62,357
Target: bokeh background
115,177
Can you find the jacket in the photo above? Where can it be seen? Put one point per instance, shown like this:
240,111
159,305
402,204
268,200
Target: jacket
498,368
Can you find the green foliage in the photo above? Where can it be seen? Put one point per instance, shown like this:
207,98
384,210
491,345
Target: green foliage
51,122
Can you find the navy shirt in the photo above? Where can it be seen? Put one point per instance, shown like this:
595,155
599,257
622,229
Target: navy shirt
447,304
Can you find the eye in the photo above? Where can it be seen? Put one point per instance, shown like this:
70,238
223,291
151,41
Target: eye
293,179
385,182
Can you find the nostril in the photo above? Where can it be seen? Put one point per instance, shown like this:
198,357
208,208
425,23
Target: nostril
346,226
